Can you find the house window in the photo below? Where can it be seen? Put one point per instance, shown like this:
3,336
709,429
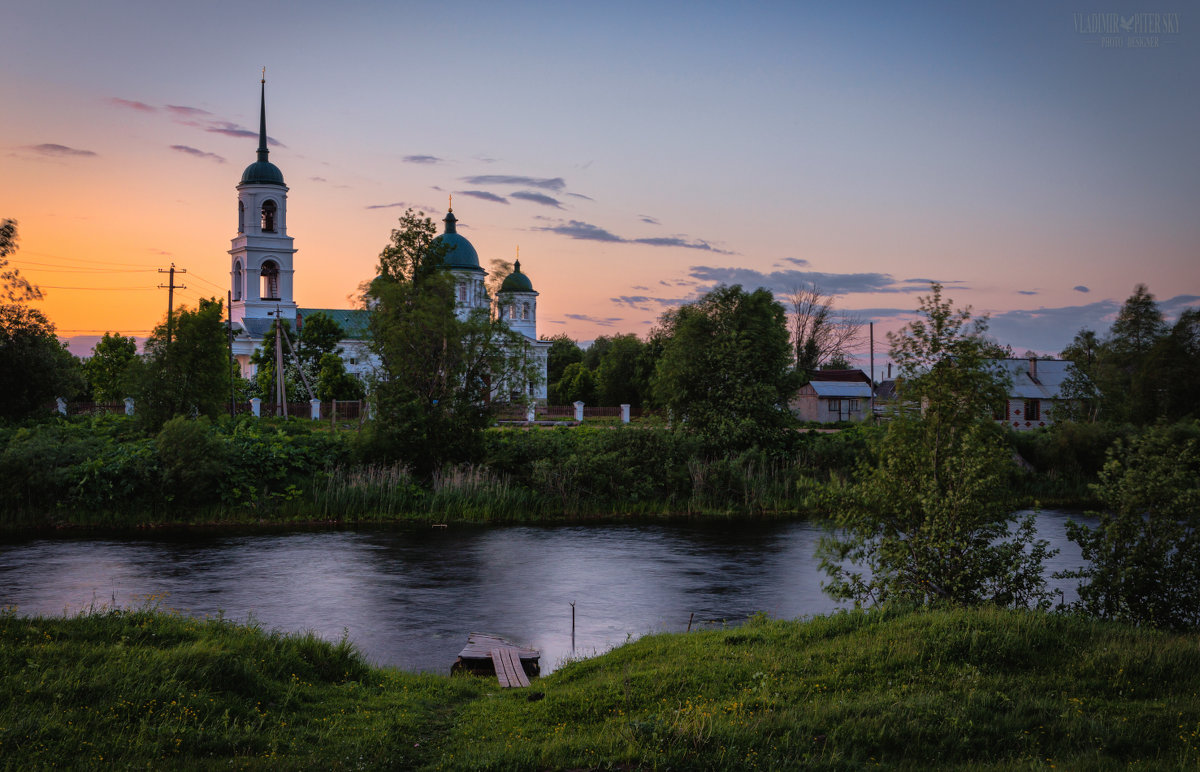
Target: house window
268,216
835,406
852,405
270,281
1033,410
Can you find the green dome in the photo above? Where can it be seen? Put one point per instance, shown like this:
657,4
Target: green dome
516,281
262,173
459,252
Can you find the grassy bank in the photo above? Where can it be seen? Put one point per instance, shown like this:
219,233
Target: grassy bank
979,689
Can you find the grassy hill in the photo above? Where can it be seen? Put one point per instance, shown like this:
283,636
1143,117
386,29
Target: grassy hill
981,689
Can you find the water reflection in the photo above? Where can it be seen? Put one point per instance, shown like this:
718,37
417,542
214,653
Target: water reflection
408,597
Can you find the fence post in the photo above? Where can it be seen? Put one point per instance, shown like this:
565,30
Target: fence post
579,411
129,406
256,407
530,414
316,409
60,405
624,414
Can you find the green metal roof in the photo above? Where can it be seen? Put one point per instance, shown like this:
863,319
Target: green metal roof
353,321
459,253
516,281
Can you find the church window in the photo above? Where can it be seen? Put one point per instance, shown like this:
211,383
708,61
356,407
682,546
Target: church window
241,217
462,293
524,310
270,281
237,280
268,216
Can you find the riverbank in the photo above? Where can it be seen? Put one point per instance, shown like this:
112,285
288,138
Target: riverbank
102,472
983,688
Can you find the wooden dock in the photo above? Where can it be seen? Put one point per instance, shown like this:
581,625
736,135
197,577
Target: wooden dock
487,654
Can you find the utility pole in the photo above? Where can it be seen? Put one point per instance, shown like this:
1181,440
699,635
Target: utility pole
280,385
170,287
871,333
232,361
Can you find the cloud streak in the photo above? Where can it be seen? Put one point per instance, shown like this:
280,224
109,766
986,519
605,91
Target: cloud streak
59,151
197,153
537,198
130,104
544,183
483,195
782,282
596,320
583,231
422,159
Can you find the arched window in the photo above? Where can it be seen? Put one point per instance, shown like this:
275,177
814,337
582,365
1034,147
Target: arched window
462,292
270,281
237,279
268,216
525,311
241,217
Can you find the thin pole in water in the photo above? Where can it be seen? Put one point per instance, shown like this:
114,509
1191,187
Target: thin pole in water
572,628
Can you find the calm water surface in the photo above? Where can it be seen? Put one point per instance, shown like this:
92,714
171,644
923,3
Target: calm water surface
409,597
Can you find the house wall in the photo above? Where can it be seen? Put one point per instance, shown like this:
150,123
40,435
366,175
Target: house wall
1015,414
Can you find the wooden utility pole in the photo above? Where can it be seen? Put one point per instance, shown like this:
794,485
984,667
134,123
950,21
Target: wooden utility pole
170,287
280,385
232,361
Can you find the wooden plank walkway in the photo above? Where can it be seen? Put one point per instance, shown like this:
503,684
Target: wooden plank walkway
509,671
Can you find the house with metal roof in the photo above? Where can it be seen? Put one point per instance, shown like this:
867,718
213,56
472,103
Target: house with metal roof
1036,390
833,395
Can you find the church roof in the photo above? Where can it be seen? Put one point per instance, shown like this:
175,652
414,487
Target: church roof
353,321
459,254
262,171
517,281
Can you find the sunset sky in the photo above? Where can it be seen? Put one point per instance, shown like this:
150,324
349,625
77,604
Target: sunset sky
1038,158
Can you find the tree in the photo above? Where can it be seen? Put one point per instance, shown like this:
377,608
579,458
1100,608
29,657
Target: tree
725,371
319,335
499,271
563,352
930,521
110,368
1139,324
188,376
578,384
263,360
1143,558
821,337
14,287
617,375
333,382
34,366
438,371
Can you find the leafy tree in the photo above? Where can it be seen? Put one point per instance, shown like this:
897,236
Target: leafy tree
499,271
1143,559
594,354
111,367
578,384
725,372
1175,364
34,366
333,382
263,359
563,351
188,376
618,373
319,335
822,338
930,521
1139,324
13,286
438,372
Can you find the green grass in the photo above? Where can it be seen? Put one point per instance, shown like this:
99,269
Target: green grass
983,689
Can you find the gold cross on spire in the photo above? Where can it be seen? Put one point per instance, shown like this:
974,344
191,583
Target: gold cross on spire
451,208
264,75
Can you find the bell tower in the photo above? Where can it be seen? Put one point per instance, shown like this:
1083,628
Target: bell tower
262,253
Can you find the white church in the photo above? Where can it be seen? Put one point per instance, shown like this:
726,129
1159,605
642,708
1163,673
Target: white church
262,272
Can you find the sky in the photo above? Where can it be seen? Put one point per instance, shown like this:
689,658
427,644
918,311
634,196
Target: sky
1037,158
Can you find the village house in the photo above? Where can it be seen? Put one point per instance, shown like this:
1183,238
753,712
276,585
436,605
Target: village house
1035,391
834,395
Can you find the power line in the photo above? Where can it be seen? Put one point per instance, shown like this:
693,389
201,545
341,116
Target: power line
84,270
103,289
206,281
86,261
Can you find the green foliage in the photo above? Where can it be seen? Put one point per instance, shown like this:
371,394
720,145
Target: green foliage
333,382
438,371
34,366
563,351
192,461
110,369
1144,556
319,336
14,287
725,372
577,384
188,376
618,374
930,521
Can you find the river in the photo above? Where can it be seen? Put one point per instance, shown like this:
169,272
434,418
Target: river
408,596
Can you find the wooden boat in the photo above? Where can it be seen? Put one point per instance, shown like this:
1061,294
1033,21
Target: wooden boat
476,657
